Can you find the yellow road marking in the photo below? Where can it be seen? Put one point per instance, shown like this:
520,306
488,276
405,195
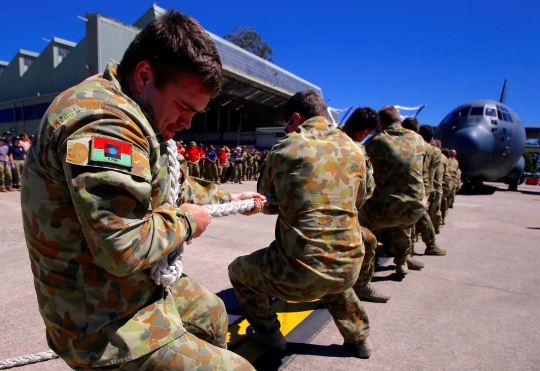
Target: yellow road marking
290,315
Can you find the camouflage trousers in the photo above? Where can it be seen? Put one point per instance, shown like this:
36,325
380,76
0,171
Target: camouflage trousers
368,264
400,233
202,346
17,172
451,197
434,211
424,227
236,173
444,207
193,169
252,289
212,171
5,175
202,169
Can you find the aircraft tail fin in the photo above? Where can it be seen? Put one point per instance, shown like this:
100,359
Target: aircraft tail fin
503,93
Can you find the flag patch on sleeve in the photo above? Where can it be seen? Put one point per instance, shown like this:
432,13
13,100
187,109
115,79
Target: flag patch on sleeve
110,150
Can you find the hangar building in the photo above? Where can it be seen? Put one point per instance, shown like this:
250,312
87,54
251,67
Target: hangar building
253,89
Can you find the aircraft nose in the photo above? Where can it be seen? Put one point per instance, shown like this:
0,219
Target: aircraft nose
473,145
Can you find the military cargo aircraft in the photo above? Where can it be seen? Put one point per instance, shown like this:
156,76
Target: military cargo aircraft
489,139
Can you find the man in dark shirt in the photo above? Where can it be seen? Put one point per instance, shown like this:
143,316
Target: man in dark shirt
18,154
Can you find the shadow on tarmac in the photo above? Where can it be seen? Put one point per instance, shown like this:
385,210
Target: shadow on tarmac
478,189
396,277
272,361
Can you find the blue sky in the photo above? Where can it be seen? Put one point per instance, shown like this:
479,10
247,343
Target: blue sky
361,53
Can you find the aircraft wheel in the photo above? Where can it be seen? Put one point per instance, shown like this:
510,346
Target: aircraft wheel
513,185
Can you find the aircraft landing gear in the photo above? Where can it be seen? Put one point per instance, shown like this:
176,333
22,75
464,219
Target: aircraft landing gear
513,185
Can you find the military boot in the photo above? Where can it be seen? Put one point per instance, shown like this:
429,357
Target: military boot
401,267
276,341
414,264
370,293
364,348
435,250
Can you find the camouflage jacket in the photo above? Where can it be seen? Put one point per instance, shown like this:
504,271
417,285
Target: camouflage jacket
454,172
96,217
397,156
437,166
318,175
429,170
447,176
370,180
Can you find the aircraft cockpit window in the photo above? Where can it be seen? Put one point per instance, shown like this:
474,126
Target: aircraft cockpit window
464,111
502,108
491,112
499,115
447,118
477,111
507,117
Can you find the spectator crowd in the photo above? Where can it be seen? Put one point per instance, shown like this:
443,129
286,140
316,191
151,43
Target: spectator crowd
13,150
222,165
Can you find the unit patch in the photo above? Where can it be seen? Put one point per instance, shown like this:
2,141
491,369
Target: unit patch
110,150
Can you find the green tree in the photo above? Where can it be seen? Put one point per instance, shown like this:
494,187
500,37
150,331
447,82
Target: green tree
248,39
529,163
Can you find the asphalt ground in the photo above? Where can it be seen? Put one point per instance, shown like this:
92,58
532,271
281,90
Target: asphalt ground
478,308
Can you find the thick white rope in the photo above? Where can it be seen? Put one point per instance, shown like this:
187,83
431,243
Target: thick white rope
28,359
169,269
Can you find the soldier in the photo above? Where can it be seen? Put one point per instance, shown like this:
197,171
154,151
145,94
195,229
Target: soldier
18,155
193,157
222,163
456,178
360,124
202,162
236,162
447,185
318,176
212,164
5,169
248,157
99,166
440,164
397,155
424,226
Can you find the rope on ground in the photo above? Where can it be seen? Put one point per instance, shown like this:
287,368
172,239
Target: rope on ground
28,359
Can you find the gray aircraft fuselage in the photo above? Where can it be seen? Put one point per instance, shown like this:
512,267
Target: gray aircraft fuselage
488,136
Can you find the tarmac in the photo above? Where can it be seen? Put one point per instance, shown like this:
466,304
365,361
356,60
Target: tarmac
477,308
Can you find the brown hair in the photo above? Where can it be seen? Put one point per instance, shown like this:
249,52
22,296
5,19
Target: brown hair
306,103
174,43
388,115
411,123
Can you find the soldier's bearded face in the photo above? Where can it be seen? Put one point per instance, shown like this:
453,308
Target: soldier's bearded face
174,106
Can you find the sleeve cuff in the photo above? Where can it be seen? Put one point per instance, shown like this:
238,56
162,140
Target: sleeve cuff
192,226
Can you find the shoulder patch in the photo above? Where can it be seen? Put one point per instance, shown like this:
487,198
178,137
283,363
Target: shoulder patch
112,151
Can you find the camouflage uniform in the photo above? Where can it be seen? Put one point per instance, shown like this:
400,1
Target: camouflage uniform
367,271
397,155
96,217
456,181
439,164
319,178
447,188
424,225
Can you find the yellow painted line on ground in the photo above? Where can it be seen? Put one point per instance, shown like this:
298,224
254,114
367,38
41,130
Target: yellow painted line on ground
290,315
